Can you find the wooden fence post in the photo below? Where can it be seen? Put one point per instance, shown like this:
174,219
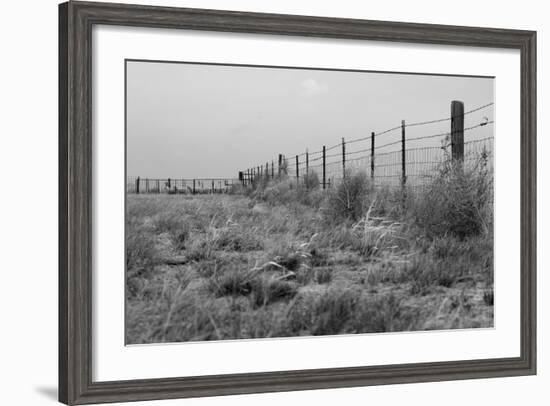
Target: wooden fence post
307,162
212,186
147,185
137,185
457,130
272,169
169,183
158,186
297,169
280,163
324,167
194,189
343,158
403,164
372,155
267,170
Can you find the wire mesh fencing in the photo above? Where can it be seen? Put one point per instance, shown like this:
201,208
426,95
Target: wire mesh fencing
410,153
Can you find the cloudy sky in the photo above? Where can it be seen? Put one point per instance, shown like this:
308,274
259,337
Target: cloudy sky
191,121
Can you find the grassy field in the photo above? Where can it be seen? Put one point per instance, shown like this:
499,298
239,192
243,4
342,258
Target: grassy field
281,260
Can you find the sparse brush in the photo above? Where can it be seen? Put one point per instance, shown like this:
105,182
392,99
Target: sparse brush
349,199
372,235
381,313
235,239
270,289
311,180
425,273
175,226
458,201
289,256
141,250
232,281
324,314
323,275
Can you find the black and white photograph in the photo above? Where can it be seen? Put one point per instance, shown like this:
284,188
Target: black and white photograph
266,202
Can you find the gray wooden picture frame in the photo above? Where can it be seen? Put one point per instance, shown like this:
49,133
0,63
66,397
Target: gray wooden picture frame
76,20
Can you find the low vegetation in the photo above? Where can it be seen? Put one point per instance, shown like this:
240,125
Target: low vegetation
285,259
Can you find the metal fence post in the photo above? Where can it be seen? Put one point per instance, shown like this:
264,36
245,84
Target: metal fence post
403,164
343,158
372,155
324,167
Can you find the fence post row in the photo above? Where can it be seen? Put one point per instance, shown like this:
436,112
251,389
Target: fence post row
403,163
457,131
249,175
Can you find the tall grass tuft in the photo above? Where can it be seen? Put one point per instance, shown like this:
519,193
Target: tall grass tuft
458,201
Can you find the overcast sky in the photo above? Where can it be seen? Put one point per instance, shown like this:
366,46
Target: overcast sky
191,121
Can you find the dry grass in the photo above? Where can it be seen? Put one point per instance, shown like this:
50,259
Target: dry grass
285,261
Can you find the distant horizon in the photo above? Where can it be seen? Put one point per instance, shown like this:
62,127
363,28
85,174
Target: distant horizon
196,120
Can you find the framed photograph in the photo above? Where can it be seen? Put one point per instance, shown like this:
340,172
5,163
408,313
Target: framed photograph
257,202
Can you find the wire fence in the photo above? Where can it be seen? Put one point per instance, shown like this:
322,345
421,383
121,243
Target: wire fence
409,153
138,185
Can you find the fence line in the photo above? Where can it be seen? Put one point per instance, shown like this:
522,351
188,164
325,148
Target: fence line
139,185
404,164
